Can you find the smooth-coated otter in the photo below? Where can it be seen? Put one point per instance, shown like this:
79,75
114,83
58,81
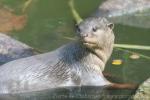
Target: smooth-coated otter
79,63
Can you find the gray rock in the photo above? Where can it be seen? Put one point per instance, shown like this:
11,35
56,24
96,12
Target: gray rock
11,49
143,92
127,12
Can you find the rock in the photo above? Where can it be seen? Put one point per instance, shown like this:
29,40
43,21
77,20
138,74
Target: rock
9,21
11,49
127,12
143,92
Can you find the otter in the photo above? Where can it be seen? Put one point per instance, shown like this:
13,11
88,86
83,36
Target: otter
79,63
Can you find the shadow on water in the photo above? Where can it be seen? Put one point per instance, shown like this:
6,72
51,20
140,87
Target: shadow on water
69,93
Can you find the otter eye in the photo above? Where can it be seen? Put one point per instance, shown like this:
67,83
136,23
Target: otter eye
94,29
78,28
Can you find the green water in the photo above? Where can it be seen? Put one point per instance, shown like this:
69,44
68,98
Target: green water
50,21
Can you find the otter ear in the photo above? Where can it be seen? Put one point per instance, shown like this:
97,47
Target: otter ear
110,25
77,28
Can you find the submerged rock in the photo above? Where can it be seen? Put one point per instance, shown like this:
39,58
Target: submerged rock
143,92
127,12
10,21
11,49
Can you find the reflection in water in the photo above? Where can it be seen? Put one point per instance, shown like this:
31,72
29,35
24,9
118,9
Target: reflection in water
73,93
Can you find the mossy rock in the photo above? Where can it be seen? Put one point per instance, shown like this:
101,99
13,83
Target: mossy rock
143,92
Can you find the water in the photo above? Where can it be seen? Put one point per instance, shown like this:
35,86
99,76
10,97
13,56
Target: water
50,22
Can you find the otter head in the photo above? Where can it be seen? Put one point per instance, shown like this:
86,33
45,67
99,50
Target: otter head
97,35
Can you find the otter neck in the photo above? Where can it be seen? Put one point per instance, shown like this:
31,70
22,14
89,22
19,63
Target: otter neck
89,57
